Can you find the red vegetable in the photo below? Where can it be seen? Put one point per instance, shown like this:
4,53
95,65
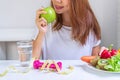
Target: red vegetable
108,53
105,54
113,52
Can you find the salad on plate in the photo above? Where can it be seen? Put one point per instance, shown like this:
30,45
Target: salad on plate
107,60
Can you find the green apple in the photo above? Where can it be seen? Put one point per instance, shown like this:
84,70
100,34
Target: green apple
50,16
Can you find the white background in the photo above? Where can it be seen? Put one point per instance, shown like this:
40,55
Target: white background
17,18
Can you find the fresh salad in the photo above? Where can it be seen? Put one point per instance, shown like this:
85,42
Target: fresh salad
108,60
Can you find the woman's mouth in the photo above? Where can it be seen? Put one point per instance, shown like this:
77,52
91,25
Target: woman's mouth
59,7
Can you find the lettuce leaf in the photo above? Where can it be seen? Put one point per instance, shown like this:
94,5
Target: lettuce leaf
113,63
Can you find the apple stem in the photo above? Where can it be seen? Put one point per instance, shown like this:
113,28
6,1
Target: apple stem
110,47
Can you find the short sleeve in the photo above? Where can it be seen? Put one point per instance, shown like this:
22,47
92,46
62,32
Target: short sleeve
93,41
97,43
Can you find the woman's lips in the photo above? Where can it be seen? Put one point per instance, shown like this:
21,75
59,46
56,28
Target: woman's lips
58,7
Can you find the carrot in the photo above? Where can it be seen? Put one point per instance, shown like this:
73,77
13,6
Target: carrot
87,58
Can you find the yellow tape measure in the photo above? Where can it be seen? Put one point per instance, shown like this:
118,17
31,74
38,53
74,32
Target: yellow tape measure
14,70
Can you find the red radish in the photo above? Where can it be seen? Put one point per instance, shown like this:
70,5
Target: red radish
105,54
113,52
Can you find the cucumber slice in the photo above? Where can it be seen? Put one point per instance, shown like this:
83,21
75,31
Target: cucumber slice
101,63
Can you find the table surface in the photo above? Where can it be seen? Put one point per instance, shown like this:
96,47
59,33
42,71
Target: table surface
80,72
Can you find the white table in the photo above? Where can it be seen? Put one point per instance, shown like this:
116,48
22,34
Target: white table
80,72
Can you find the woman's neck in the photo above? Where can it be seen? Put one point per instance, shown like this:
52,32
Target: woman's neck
66,19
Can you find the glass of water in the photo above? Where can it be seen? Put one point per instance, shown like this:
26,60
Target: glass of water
24,52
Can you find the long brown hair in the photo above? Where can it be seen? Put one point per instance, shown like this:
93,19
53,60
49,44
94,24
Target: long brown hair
83,21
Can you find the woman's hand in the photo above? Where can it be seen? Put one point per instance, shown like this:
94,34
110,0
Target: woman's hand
96,50
42,26
40,21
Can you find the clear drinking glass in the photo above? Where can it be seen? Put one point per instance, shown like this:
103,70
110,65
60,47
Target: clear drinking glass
24,52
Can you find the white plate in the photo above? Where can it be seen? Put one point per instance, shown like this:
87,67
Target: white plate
88,66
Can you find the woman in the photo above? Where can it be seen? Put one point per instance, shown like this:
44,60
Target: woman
75,32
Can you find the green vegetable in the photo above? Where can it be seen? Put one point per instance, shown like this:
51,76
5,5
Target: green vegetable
101,63
94,61
110,64
113,63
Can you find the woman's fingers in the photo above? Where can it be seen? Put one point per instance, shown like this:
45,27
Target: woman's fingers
40,21
39,12
41,24
44,20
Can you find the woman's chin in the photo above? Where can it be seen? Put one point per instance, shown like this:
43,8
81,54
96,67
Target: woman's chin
59,12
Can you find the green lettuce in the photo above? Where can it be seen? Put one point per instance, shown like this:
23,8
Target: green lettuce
113,63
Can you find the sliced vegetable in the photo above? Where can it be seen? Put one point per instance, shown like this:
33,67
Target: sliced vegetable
87,58
94,61
101,63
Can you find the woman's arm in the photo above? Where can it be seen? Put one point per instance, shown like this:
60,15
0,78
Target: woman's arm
37,45
96,50
42,26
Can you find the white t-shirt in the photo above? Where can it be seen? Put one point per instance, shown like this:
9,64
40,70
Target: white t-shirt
58,45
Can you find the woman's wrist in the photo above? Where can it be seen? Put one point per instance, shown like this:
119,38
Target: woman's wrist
35,58
41,32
